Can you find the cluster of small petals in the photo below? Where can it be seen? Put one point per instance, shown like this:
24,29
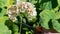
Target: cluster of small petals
22,7
12,13
30,7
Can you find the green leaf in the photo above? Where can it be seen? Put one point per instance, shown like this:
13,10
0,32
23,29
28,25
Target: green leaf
28,32
3,12
58,2
34,1
46,15
3,3
3,27
46,4
15,28
3,19
56,25
57,15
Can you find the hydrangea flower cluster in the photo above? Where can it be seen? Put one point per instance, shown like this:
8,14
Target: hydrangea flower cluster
12,13
22,8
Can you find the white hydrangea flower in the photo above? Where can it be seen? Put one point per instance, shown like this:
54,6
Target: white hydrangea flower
29,7
12,13
22,7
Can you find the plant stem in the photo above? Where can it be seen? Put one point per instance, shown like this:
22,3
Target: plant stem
20,24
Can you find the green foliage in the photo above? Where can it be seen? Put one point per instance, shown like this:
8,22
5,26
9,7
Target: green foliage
3,27
45,4
56,25
52,14
3,3
3,18
48,16
58,2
